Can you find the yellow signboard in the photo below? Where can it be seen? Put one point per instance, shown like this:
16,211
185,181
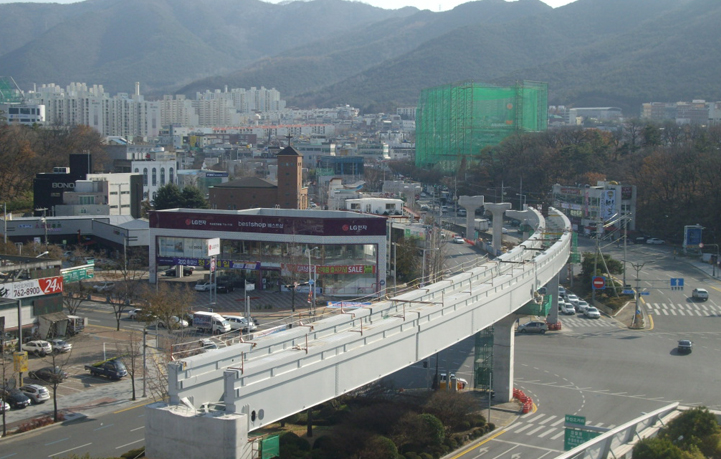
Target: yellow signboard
20,362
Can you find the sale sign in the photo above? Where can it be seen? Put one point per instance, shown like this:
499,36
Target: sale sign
32,287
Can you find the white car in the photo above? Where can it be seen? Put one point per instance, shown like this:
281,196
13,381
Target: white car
36,392
60,345
582,306
38,347
104,287
134,313
573,299
175,322
4,406
566,308
240,323
459,240
504,230
699,294
592,313
653,240
561,292
203,286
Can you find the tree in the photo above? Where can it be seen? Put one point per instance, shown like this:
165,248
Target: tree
165,300
8,373
131,350
58,363
691,429
193,198
655,448
168,197
74,295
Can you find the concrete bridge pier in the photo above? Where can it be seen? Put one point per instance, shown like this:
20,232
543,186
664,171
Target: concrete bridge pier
503,343
471,203
497,211
552,289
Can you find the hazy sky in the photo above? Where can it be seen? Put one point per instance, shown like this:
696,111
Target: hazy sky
433,5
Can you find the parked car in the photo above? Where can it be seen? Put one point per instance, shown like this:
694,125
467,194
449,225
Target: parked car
685,346
203,286
111,368
653,240
104,287
224,288
4,406
504,230
425,208
36,392
460,382
207,343
60,346
582,306
38,347
134,314
49,374
462,212
561,292
175,322
16,399
592,313
699,294
187,271
459,240
533,327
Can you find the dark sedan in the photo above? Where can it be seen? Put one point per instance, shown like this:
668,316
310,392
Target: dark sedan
685,346
49,374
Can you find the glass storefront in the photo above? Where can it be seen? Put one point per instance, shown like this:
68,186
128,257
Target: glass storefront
339,269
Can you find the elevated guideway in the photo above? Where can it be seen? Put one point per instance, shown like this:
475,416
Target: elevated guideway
217,397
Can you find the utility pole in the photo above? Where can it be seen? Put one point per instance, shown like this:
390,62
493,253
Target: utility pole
637,318
625,240
595,259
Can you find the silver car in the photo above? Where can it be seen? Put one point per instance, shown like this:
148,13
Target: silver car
533,327
36,392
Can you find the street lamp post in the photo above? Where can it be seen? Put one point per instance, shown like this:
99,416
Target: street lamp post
45,222
311,282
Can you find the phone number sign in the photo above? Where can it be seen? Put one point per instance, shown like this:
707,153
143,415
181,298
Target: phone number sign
32,287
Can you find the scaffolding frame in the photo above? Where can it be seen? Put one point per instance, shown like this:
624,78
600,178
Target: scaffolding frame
458,120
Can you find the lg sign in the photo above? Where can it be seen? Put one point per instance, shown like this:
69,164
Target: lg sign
355,227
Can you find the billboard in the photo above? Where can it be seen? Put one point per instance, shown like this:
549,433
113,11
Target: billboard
608,204
692,235
32,287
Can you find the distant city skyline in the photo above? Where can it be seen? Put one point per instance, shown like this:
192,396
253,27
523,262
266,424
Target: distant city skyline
433,5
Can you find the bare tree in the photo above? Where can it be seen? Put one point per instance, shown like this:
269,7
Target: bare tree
74,294
164,301
54,377
131,350
8,373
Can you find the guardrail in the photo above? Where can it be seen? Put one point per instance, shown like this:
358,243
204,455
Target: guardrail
620,440
403,329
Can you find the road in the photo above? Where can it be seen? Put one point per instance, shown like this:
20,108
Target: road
108,435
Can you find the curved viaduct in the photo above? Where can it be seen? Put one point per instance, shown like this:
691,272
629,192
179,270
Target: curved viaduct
218,397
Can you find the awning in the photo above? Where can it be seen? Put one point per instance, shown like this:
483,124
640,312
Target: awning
54,317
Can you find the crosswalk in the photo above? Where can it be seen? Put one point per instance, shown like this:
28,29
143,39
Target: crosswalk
578,322
542,425
684,309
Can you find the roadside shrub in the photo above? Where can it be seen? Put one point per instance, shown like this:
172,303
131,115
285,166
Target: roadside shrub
426,456
292,446
39,422
411,455
490,427
462,426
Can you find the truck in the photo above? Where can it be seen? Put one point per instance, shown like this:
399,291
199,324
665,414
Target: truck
210,322
111,368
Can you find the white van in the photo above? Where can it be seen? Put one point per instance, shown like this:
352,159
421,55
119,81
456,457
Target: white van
240,323
210,322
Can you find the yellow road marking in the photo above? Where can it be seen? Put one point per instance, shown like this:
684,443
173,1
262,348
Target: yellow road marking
133,407
477,445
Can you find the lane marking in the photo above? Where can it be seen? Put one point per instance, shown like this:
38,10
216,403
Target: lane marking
507,451
103,427
52,443
558,422
71,449
467,450
9,455
524,428
546,420
553,429
531,432
131,443
137,428
558,435
133,407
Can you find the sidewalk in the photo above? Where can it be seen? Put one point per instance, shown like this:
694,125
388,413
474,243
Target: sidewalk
91,396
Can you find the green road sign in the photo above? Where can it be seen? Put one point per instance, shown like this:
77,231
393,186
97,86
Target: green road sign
575,437
77,274
580,420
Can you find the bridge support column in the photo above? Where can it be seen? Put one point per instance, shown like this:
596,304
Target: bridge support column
497,211
552,289
503,344
471,203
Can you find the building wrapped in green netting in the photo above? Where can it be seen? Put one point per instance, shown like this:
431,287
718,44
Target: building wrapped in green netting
457,120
